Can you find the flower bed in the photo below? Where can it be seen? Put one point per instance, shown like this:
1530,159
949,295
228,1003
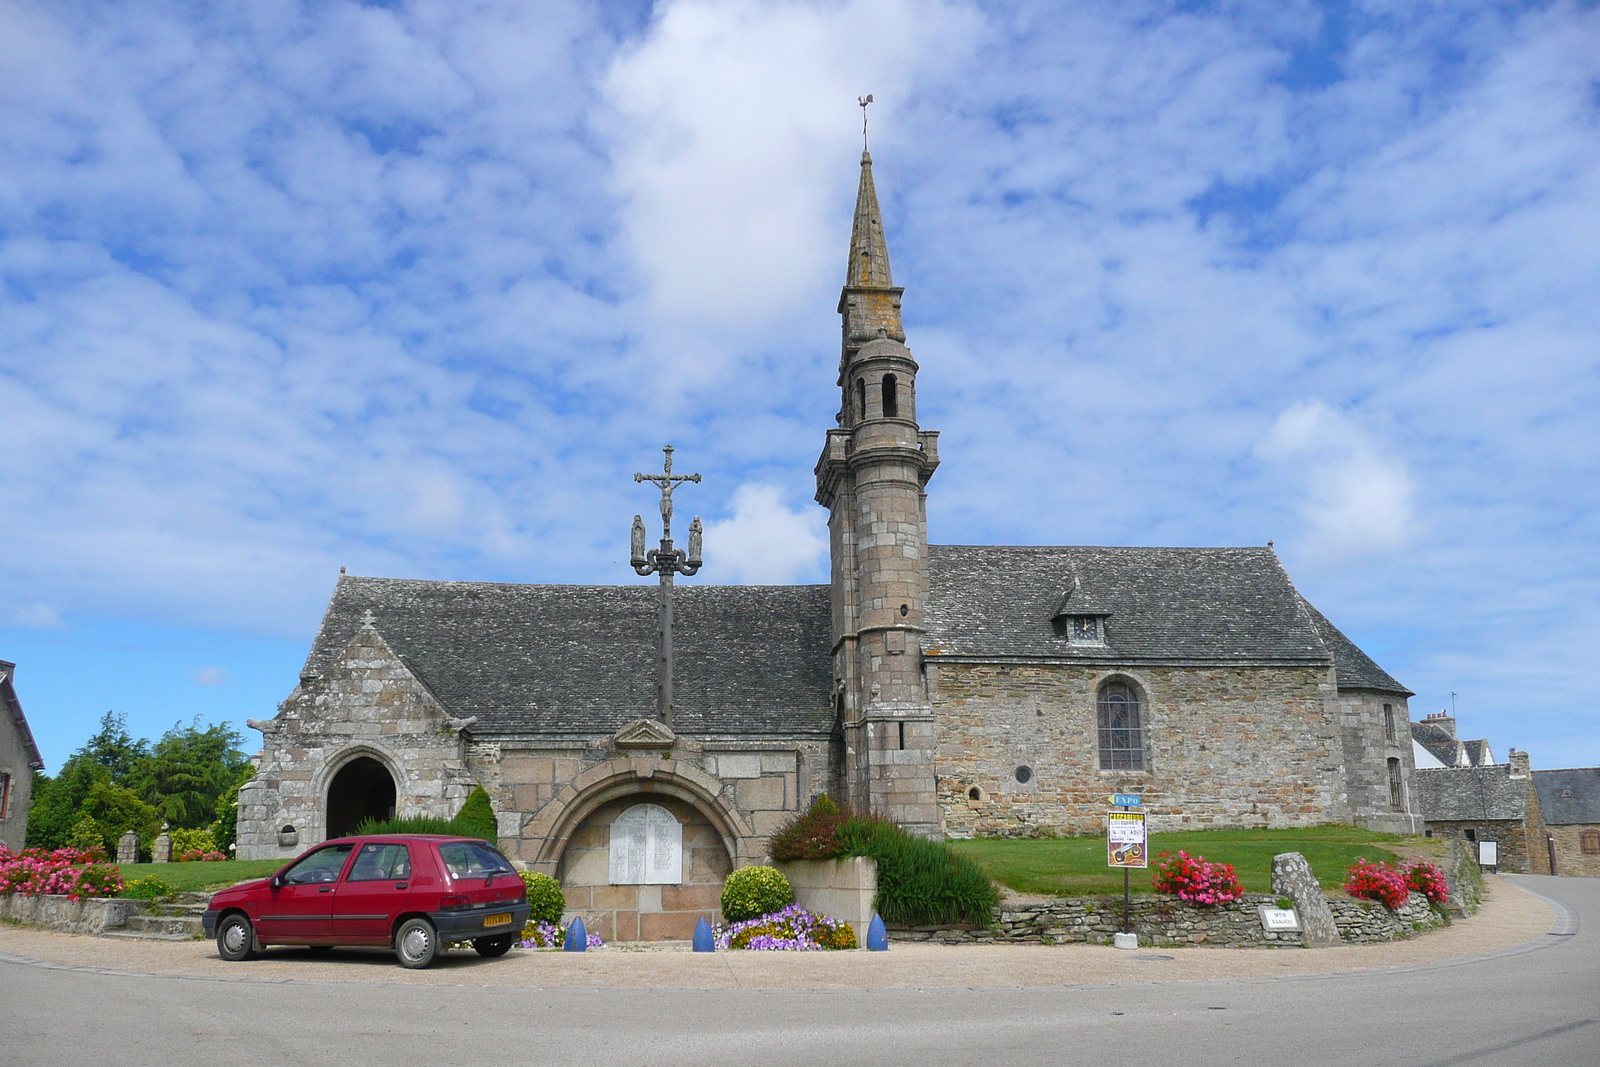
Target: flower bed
69,872
793,929
551,935
1193,879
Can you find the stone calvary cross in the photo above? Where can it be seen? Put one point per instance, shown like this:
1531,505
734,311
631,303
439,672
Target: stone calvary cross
665,561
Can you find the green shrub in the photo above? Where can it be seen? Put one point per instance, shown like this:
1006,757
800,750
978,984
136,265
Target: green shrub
415,824
147,888
549,903
751,892
812,836
86,836
476,818
185,841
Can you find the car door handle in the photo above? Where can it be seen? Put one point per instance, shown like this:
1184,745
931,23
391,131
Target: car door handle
325,889
402,885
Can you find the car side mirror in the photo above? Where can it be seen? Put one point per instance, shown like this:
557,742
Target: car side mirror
276,882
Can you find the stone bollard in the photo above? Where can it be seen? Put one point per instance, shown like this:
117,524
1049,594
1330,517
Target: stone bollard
161,851
128,848
1292,877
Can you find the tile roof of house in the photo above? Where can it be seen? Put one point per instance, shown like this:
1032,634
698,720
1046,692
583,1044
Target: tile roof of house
1208,605
1467,794
581,659
8,694
1569,796
1444,747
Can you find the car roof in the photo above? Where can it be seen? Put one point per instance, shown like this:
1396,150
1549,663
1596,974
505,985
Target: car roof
436,838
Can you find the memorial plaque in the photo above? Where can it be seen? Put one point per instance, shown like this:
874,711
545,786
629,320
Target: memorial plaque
1279,919
646,847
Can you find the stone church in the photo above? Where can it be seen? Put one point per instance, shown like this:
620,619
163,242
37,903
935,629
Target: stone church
961,690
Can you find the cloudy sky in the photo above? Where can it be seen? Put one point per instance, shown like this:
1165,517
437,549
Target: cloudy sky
415,287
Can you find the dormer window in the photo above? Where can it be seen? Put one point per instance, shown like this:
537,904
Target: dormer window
1085,630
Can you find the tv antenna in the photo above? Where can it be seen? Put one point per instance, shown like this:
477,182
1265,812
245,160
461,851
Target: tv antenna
863,101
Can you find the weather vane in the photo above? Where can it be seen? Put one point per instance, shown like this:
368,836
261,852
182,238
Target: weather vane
864,101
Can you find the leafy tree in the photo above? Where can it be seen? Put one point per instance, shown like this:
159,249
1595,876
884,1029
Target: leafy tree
117,809
57,802
115,749
225,829
188,770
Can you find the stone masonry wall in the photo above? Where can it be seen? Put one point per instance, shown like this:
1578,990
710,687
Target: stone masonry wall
1571,860
1367,748
368,704
1168,921
1224,747
1512,838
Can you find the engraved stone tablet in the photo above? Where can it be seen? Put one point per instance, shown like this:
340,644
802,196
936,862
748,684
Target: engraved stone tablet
646,847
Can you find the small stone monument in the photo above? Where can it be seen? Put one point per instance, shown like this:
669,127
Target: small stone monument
128,848
161,851
1292,878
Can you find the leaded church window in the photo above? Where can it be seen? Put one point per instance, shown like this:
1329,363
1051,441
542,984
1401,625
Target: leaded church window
1121,733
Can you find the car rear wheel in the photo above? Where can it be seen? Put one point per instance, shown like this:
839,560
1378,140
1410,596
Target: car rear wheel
494,946
416,943
236,939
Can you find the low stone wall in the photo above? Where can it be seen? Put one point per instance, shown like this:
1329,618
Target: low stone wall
1365,922
93,915
842,888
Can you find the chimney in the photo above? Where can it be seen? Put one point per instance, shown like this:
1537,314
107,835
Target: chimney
1520,767
1444,721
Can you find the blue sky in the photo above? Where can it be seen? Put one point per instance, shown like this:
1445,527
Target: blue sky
414,288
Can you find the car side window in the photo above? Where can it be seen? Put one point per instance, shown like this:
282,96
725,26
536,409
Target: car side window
322,865
472,860
380,861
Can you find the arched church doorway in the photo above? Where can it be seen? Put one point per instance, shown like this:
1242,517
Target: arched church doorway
363,789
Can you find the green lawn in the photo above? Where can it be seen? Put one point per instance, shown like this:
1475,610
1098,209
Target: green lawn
1074,866
196,877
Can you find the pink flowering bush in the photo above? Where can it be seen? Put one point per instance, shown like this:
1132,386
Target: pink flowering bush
1191,878
793,929
1378,881
201,856
1423,877
71,872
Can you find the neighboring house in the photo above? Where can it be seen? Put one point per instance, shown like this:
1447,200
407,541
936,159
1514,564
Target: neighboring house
19,758
1493,802
1434,744
1570,800
960,690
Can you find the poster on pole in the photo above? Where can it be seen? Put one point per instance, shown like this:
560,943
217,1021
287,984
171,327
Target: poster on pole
1125,840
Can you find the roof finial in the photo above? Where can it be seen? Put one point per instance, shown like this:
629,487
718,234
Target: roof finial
864,101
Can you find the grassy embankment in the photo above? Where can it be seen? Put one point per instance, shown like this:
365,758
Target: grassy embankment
1076,866
199,877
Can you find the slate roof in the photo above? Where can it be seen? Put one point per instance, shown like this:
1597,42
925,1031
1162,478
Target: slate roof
1201,605
581,659
1444,747
1459,794
1582,805
8,696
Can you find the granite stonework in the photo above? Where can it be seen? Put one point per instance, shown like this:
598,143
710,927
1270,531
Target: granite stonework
1224,747
91,915
1292,878
843,888
128,848
1364,922
368,704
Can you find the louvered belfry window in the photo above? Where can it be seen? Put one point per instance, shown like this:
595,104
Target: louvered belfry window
1121,738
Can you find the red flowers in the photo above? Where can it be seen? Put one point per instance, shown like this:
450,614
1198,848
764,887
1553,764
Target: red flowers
1191,878
68,871
1423,877
1391,886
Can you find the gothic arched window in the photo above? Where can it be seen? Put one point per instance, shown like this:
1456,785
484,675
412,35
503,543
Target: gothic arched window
1121,735
891,402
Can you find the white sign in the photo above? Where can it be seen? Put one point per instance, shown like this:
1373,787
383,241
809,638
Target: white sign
1279,919
1488,853
646,847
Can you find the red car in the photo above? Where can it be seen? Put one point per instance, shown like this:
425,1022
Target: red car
413,893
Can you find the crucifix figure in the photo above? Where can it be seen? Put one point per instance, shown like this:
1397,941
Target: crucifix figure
665,561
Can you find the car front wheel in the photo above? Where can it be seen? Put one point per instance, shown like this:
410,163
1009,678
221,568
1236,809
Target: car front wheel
416,943
494,946
236,939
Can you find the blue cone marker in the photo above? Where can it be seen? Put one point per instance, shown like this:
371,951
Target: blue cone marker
877,937
577,937
703,941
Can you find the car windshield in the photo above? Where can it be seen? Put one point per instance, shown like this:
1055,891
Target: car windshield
321,866
467,859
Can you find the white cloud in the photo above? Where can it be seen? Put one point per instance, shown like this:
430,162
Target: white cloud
37,617
1358,500
765,542
211,676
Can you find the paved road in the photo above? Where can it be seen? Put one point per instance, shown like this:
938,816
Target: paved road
1536,1006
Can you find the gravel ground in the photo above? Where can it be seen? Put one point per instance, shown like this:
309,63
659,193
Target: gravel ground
1509,918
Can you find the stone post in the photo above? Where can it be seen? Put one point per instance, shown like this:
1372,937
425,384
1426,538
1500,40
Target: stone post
128,848
161,851
1292,877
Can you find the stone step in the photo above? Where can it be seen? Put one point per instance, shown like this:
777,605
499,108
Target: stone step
166,927
177,909
130,935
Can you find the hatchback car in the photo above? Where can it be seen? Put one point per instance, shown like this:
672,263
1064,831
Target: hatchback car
413,893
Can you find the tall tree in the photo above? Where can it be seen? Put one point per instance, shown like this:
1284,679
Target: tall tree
188,769
115,749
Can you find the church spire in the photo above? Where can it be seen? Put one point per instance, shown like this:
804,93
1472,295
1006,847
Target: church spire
869,253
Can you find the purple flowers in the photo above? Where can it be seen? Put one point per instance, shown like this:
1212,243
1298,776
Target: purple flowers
794,929
550,935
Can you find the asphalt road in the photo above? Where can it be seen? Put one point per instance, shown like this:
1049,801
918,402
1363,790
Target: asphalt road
1539,1005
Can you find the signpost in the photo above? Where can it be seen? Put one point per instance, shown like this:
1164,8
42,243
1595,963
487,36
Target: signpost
1126,845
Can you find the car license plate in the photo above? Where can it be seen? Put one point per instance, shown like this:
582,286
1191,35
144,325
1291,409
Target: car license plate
497,920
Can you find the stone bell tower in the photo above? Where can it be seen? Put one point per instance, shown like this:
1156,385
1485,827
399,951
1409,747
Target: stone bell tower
872,477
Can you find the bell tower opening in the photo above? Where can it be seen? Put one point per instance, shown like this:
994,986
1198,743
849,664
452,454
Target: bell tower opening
363,789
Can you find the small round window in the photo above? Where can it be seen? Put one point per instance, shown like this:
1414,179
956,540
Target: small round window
1024,775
